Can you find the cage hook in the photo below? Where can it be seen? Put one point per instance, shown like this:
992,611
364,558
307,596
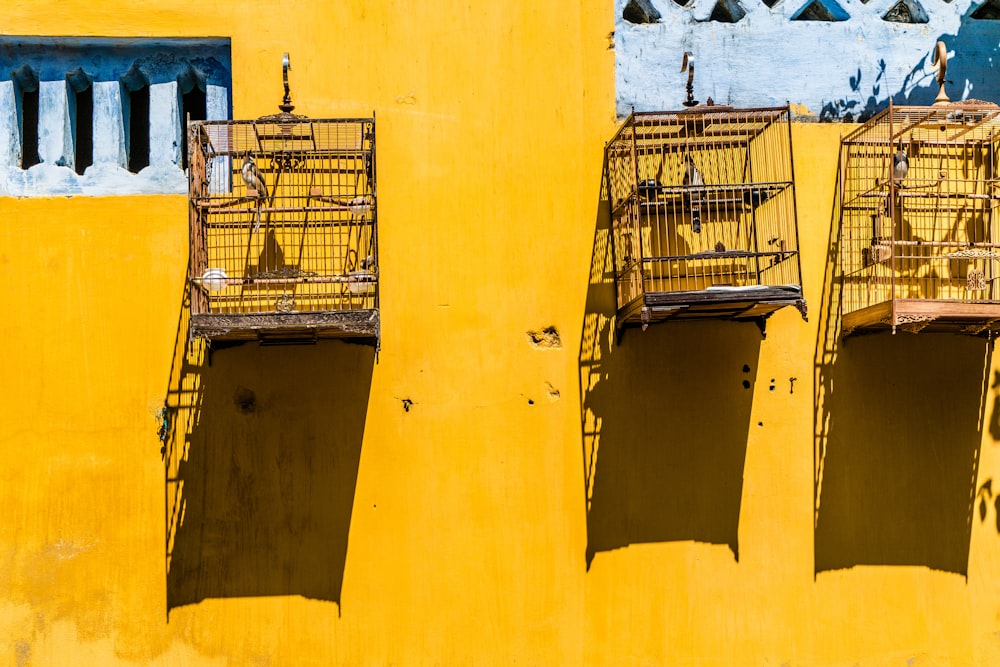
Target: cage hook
688,66
286,103
940,58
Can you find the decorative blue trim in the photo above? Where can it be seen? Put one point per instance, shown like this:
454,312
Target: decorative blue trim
109,58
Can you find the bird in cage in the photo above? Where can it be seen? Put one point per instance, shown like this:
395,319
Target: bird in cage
692,177
369,169
900,165
649,188
755,197
253,179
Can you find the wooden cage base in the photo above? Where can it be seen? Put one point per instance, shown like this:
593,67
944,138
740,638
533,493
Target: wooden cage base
730,303
930,315
288,327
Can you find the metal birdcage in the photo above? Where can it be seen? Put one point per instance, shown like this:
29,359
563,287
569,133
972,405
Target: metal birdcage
919,247
703,215
295,257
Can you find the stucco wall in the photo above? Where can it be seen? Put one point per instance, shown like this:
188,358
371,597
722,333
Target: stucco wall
585,503
846,68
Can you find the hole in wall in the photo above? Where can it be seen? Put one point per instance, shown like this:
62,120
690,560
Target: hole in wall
821,10
245,400
26,94
80,96
547,338
194,106
640,12
29,129
906,11
138,129
988,11
727,11
83,132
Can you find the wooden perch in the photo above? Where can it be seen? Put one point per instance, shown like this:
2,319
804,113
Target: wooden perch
317,193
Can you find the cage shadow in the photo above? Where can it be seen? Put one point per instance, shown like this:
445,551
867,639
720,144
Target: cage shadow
262,464
665,416
898,424
902,452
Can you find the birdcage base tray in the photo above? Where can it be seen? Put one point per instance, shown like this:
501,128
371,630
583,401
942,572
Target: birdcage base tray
726,303
924,315
358,324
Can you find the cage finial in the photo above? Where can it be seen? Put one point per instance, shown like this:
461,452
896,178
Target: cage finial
688,66
940,58
286,105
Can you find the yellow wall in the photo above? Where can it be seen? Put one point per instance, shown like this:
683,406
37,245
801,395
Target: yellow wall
584,504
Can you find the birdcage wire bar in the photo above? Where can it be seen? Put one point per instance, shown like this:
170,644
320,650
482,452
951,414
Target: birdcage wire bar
921,252
298,260
703,215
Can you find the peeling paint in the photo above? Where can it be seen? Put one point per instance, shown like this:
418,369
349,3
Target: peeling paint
545,339
554,394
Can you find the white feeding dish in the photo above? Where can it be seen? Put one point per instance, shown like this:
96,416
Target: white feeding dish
214,280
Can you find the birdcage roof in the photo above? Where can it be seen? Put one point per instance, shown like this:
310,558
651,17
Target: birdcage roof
971,120
700,122
286,132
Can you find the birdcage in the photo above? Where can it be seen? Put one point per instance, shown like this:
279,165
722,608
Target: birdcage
703,215
283,228
919,249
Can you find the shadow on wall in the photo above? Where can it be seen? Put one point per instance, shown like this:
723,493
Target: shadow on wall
971,74
665,417
898,425
262,451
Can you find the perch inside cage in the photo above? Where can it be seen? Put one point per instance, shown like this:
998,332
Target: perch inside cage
919,249
281,208
703,214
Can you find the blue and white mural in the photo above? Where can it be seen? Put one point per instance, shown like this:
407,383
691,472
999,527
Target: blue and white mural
832,59
55,68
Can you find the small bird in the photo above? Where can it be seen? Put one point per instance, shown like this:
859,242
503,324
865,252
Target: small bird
254,180
900,165
368,263
649,188
692,177
720,246
755,196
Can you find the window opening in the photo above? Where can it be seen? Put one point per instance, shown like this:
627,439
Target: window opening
26,86
138,129
81,98
194,106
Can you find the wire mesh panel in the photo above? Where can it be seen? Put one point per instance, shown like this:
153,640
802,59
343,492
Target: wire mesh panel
703,214
283,228
918,244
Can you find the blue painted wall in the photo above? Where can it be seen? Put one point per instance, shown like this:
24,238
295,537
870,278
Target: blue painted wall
837,70
107,58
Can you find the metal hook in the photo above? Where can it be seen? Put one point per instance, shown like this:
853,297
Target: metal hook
688,66
286,104
940,58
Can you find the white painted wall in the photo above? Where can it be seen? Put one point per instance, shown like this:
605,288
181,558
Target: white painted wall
108,175
10,146
766,59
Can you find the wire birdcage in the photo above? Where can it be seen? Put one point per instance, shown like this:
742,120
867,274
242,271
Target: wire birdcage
294,256
703,215
919,249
